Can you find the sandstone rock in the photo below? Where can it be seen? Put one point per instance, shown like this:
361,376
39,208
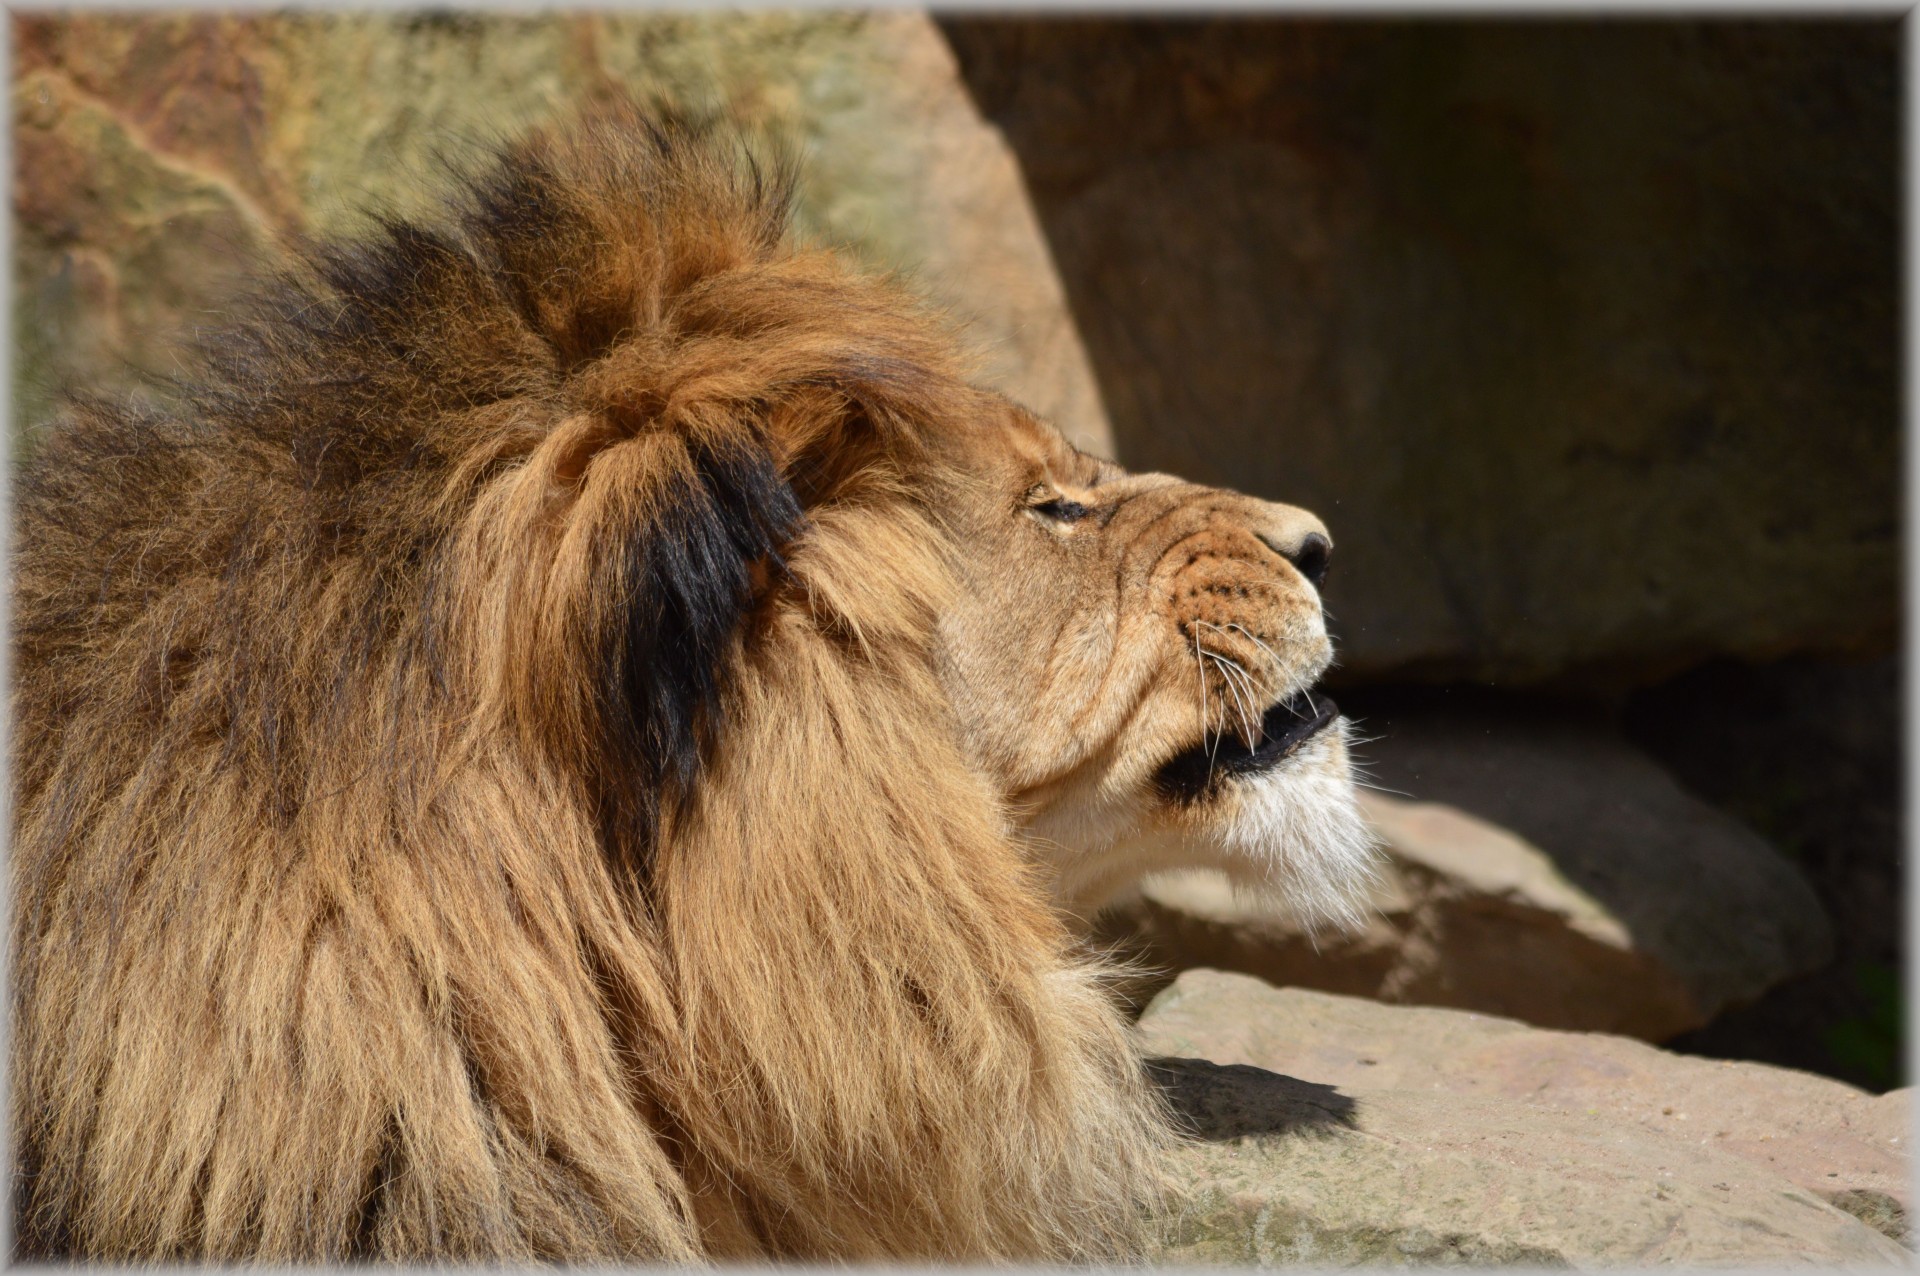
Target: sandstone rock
1403,1134
1548,871
1582,337
900,166
156,151
1396,1178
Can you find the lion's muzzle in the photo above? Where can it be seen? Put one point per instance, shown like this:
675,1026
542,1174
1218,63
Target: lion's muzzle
1284,729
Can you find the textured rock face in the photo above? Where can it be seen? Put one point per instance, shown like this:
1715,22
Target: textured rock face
153,153
1404,1135
1581,336
1811,756
1547,871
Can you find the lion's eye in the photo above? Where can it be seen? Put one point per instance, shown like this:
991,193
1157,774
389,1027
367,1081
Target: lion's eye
1061,510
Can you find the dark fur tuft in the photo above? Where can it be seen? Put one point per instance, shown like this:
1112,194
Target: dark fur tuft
691,573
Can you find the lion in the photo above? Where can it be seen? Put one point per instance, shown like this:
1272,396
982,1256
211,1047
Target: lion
579,733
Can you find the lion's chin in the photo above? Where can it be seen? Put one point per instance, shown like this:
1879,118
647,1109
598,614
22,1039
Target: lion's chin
1294,833
1288,830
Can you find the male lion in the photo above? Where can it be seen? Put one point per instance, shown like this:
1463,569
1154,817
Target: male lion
579,735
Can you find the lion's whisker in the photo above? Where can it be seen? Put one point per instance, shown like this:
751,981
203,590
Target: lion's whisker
1278,664
1361,782
1231,674
1232,688
1252,703
1250,711
1252,690
1200,667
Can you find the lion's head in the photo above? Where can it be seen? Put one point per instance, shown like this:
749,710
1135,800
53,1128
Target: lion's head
1132,660
575,736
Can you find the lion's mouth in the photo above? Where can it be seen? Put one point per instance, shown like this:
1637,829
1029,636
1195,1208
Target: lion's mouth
1283,729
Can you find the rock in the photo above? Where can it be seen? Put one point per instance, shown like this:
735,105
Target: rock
1549,872
156,152
900,166
1418,1135
1810,755
1409,1178
1582,338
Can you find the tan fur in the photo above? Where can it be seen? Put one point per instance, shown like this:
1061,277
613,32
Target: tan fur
398,875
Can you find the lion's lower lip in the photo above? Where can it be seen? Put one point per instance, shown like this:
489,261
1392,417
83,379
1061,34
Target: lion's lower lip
1284,728
1295,720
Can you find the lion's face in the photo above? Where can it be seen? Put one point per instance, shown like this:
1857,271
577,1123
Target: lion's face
1133,661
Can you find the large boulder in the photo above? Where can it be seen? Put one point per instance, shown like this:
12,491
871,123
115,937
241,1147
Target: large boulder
154,152
1404,1135
1545,870
1583,337
1810,755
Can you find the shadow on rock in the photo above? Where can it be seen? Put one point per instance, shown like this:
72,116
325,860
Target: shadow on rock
1221,1102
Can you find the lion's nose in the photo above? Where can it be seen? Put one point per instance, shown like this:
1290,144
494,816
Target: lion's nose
1302,540
1311,558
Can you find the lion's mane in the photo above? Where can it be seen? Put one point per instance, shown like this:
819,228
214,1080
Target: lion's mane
481,790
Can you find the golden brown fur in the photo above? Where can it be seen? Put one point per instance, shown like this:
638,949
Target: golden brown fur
496,774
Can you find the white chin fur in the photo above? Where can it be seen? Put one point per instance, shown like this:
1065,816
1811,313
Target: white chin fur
1292,835
1295,834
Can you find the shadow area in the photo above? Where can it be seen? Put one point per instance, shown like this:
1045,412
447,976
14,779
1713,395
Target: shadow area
1219,1102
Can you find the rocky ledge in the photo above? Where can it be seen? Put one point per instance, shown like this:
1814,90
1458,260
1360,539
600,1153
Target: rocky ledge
1335,1131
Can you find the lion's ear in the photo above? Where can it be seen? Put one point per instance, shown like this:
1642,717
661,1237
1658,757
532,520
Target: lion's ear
711,528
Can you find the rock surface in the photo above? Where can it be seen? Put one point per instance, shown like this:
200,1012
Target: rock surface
1582,337
154,152
1402,1135
1548,871
1811,756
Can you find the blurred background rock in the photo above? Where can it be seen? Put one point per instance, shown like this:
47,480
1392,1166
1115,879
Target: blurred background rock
1581,335
153,154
